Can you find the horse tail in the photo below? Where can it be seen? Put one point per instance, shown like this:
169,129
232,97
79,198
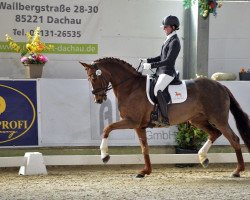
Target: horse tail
241,118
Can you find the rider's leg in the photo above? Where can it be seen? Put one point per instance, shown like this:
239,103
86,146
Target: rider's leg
162,82
162,104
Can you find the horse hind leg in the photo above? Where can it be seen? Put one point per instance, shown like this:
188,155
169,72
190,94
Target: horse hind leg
213,134
235,142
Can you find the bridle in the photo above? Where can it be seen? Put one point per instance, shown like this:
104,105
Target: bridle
98,74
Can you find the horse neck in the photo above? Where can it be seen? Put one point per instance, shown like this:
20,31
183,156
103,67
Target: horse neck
123,80
119,75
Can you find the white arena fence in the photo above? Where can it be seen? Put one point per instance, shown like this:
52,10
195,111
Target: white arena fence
123,159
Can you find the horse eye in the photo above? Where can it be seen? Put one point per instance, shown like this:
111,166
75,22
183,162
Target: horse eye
93,77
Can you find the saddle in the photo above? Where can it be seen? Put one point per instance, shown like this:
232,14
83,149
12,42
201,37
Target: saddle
175,92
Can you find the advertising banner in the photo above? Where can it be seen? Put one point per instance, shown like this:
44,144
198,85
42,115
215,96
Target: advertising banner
63,23
86,30
68,115
70,26
18,113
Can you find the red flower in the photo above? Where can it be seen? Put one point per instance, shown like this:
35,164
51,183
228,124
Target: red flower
212,5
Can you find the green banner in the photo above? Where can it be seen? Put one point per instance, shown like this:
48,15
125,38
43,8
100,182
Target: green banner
60,48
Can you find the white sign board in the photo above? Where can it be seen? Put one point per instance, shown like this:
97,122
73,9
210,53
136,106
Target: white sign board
69,116
86,30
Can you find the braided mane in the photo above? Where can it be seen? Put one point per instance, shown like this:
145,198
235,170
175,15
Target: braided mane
119,62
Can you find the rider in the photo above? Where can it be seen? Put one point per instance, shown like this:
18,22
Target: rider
165,62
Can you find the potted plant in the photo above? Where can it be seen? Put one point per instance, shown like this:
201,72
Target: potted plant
31,56
189,139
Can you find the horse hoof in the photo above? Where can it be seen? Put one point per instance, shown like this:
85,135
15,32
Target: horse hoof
233,175
106,159
140,176
205,163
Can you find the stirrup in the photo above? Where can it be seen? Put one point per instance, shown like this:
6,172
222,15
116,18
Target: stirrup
154,116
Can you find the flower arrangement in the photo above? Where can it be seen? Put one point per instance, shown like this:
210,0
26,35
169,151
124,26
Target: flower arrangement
30,53
205,6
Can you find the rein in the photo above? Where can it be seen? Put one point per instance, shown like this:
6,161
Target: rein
110,87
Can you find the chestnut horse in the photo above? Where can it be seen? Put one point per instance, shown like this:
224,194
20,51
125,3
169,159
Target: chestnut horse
207,107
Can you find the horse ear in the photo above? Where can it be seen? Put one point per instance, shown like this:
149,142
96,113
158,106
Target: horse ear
85,65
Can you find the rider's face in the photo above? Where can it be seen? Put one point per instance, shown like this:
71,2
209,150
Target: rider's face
168,29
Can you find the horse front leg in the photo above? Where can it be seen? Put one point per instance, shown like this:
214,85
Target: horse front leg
122,124
145,151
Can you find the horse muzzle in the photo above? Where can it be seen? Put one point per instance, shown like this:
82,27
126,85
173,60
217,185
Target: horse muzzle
100,98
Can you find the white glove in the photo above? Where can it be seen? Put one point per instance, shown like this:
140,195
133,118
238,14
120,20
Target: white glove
146,66
143,60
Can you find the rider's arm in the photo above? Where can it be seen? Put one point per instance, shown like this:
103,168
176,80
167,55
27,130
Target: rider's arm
155,59
172,53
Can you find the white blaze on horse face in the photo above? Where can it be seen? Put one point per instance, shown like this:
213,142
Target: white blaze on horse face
104,148
203,151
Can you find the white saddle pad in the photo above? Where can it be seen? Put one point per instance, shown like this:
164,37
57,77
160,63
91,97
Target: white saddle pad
178,93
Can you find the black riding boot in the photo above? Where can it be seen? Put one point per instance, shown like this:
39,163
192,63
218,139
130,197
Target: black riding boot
163,106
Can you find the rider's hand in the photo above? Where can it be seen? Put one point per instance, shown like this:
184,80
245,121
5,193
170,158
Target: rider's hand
143,60
146,66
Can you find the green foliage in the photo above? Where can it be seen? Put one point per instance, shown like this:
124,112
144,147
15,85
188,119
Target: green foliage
190,137
205,6
188,3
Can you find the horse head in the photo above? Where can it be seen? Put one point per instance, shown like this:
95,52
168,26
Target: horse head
99,80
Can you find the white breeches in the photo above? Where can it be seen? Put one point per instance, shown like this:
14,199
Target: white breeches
104,148
162,82
203,151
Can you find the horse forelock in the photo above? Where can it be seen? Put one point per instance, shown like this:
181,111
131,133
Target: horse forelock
118,61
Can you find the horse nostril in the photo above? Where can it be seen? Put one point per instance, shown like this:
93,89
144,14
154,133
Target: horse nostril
99,101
